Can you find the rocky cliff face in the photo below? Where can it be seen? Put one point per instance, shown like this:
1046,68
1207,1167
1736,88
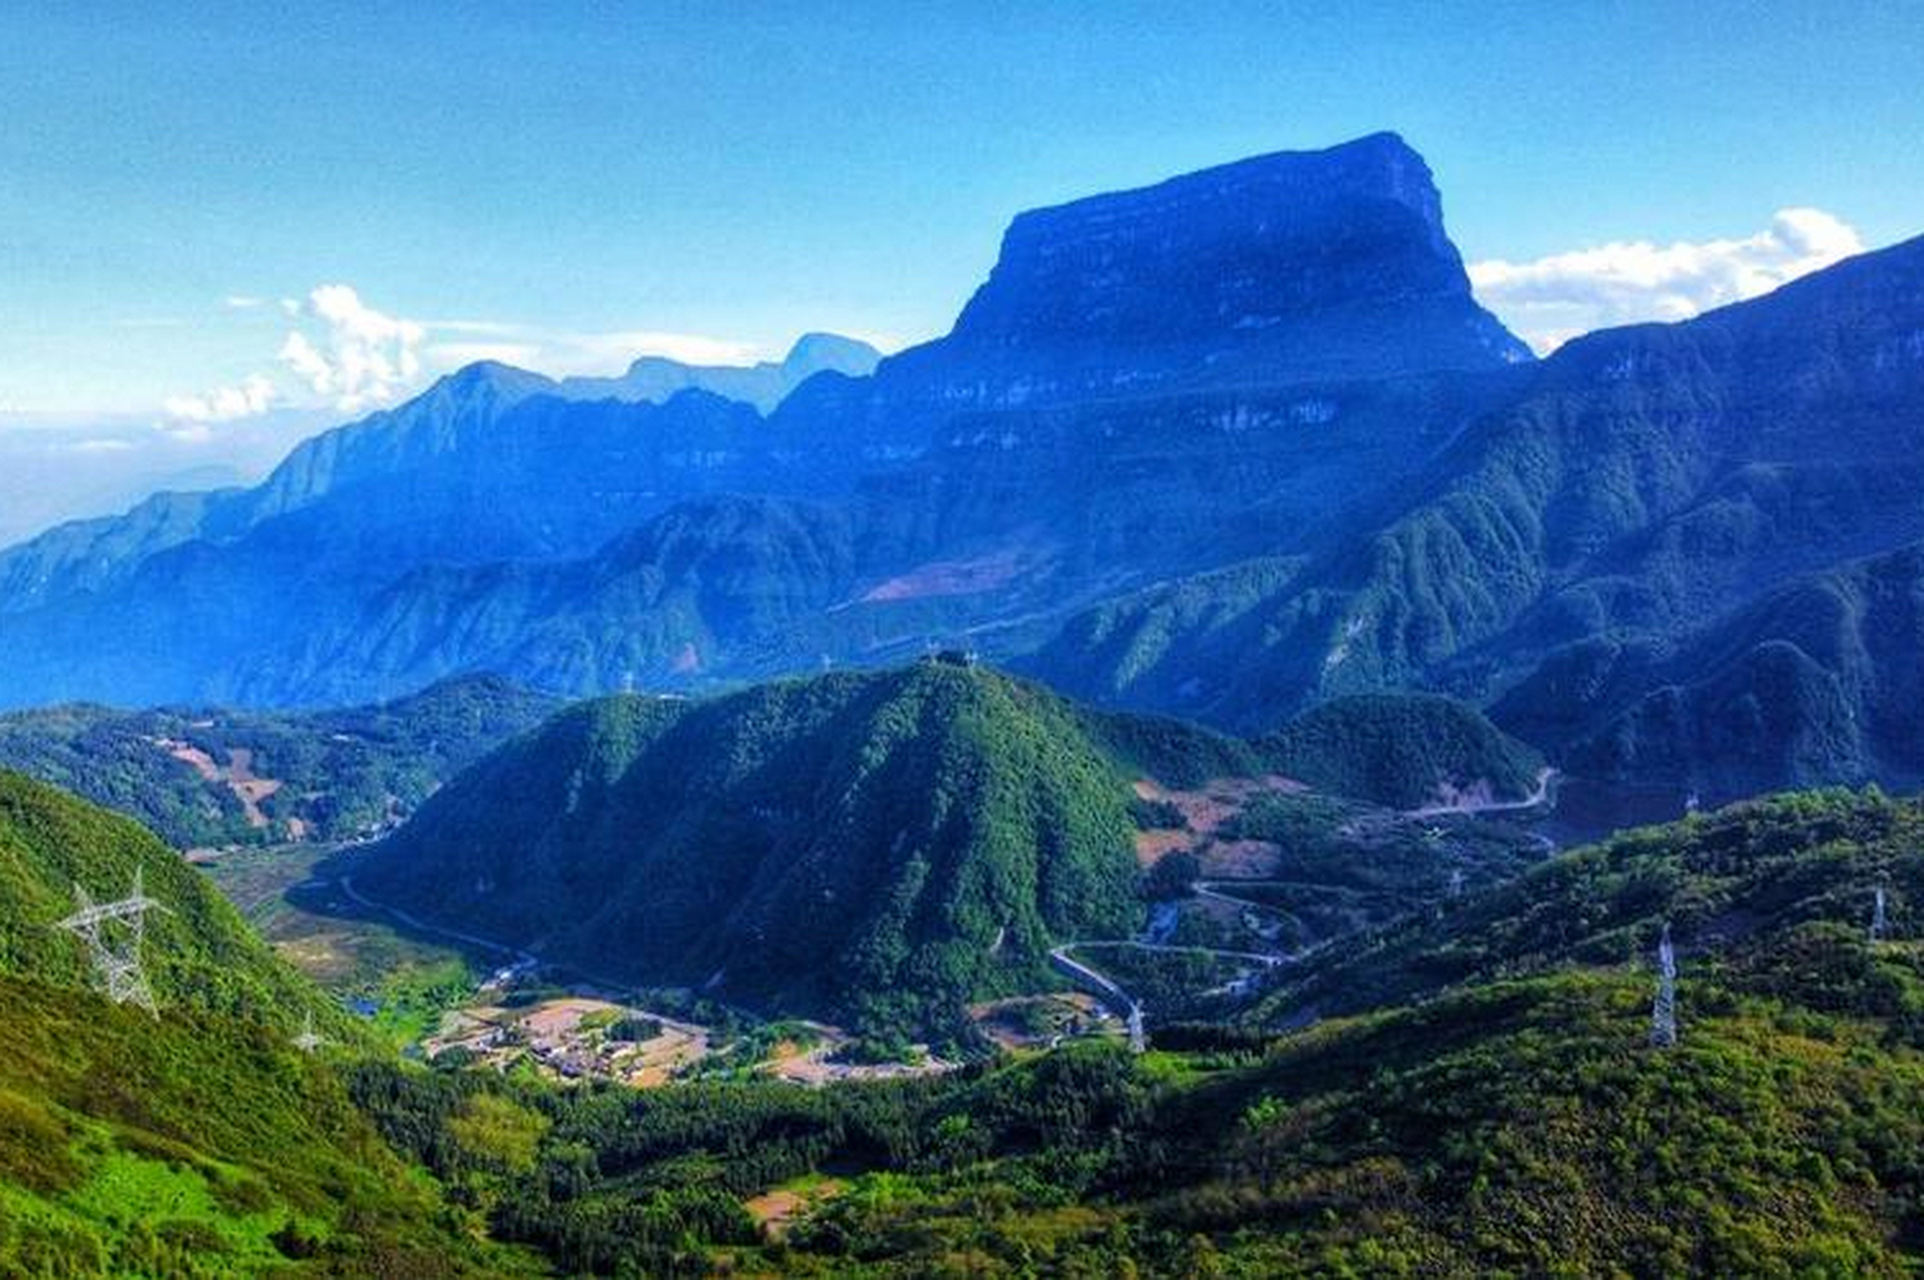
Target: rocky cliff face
1285,267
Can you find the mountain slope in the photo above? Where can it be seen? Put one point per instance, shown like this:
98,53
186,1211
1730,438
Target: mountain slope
1643,482
198,1141
1506,1125
1751,890
209,777
1816,682
878,847
198,950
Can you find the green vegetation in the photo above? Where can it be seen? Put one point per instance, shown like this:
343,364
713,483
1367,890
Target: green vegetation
340,773
1736,885
880,849
1488,1102
1506,1125
199,1142
1402,750
199,951
198,1145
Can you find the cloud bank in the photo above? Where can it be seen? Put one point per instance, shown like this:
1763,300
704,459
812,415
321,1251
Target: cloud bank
253,395
343,354
1551,300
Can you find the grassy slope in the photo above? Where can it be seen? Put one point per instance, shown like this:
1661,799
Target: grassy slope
198,950
197,1145
198,1142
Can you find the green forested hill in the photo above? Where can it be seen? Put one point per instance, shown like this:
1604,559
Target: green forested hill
1402,750
328,775
199,952
878,847
198,1142
882,847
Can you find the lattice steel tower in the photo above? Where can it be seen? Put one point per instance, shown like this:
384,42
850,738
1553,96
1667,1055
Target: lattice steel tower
113,932
1663,1013
309,1039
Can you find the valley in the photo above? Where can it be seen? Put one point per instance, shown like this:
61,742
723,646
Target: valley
1223,760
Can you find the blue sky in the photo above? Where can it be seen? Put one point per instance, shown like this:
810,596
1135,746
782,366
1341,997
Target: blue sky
572,183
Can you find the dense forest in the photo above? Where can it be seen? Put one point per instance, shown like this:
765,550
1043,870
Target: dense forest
1508,1123
323,775
875,848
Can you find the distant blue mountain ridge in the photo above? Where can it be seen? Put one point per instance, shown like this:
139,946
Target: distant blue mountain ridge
1223,446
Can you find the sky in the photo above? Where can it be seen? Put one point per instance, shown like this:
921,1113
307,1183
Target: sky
218,218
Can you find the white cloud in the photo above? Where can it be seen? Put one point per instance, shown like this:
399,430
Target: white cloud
253,395
360,356
1551,300
343,353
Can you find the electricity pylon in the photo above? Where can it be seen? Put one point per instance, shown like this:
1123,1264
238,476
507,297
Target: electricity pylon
1663,1013
309,1039
113,932
1877,916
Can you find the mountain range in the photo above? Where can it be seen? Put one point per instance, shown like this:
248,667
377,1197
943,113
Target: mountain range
1221,447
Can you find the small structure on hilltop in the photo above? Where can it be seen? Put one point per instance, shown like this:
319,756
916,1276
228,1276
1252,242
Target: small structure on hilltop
114,932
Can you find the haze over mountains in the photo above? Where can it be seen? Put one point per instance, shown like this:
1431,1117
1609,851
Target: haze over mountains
1223,446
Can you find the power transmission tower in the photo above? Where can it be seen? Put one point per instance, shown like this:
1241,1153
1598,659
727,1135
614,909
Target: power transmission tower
1877,916
113,932
309,1040
1663,1013
1137,1040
